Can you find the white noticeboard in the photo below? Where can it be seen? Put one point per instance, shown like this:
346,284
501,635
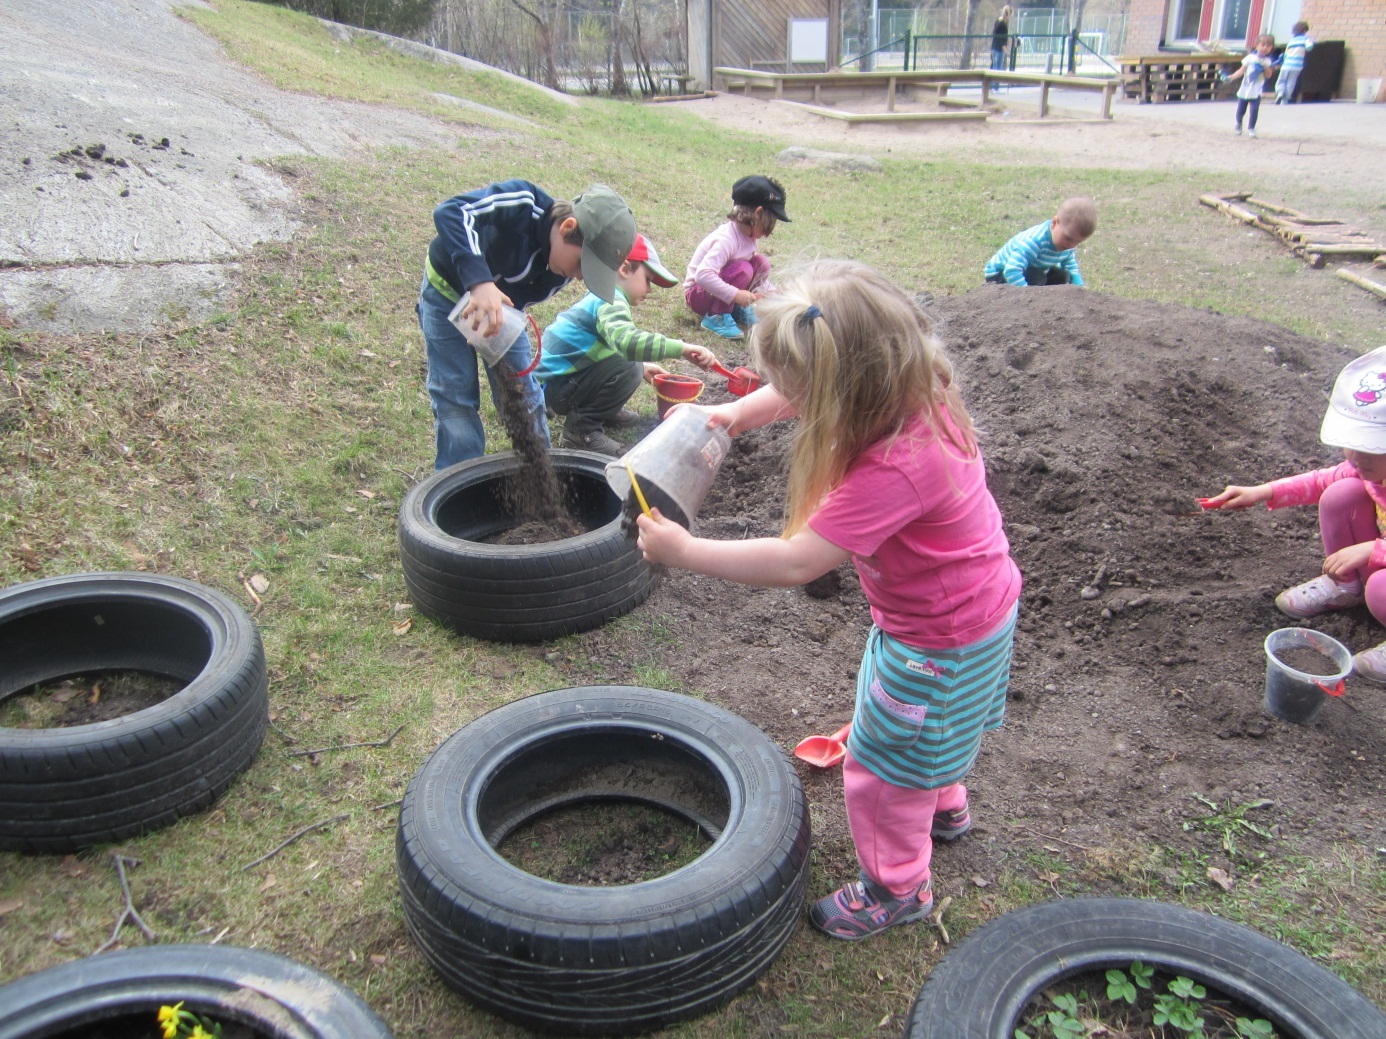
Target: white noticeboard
808,40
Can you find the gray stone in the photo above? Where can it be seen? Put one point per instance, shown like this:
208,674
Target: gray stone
843,162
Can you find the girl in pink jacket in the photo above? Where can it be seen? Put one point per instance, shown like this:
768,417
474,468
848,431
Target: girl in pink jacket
1352,506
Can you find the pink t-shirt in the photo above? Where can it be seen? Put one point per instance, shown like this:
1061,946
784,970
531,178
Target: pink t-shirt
926,538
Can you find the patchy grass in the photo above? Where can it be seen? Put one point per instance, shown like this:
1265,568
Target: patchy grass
278,439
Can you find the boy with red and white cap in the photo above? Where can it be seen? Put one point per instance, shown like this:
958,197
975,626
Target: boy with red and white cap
1352,506
594,357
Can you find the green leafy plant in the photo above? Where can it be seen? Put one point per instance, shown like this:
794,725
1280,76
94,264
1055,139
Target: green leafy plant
1227,819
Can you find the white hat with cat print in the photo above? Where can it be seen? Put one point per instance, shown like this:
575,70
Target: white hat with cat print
1356,417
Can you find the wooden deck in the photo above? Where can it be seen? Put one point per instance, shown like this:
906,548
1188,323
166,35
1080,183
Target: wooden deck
815,88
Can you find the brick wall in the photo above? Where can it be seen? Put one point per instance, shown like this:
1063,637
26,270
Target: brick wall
1361,24
1145,22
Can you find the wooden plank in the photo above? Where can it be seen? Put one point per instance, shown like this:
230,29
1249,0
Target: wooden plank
1366,283
853,118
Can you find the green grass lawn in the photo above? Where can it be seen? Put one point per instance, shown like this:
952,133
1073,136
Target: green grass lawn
278,438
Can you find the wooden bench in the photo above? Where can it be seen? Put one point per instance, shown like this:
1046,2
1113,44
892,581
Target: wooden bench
674,83
813,86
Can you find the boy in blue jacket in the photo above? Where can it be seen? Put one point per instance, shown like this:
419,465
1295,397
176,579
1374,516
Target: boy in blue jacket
511,244
595,357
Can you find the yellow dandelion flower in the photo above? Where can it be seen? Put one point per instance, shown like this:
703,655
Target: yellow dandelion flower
168,1019
199,1032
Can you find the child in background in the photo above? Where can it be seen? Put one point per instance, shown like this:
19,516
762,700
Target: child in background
1043,254
885,471
1292,63
594,357
1352,506
1256,66
727,275
507,244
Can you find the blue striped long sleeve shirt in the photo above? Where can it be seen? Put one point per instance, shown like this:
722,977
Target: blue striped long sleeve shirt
1032,248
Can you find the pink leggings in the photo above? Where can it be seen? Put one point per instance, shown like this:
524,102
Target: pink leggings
891,824
1347,516
742,274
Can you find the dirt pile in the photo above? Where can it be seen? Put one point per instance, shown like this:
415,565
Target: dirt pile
1139,666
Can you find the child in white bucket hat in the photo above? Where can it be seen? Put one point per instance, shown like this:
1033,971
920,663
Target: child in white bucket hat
1352,506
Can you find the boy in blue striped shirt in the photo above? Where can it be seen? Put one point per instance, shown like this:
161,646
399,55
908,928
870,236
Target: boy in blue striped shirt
1292,63
1043,254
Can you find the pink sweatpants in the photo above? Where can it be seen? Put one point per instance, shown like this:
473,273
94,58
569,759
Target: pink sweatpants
1347,516
743,274
891,824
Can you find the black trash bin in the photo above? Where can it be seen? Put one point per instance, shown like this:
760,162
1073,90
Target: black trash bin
1323,71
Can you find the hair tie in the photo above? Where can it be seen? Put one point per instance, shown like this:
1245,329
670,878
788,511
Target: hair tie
811,314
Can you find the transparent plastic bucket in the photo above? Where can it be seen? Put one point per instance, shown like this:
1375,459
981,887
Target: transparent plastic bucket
675,464
1297,696
490,348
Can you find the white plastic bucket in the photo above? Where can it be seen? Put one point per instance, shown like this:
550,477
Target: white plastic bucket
1297,696
491,348
1367,89
675,464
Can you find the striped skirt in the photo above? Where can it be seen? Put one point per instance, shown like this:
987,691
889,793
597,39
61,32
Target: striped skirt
921,713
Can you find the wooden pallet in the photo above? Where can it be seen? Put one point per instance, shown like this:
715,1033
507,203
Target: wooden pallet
1315,239
1185,77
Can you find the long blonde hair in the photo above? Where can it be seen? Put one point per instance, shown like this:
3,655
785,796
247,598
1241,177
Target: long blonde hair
859,361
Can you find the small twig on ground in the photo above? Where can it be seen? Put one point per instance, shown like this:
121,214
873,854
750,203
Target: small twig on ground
287,737
936,918
346,746
407,475
293,837
387,804
129,912
1080,847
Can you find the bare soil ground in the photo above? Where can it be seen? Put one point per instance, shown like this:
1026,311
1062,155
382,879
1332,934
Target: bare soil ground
1104,418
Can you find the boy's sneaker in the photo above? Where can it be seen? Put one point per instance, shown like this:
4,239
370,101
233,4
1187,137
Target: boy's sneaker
744,316
860,909
1371,664
622,419
722,325
596,440
949,826
1318,596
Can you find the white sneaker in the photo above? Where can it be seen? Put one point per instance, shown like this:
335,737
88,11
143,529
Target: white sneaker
1371,664
1318,596
1238,131
1251,133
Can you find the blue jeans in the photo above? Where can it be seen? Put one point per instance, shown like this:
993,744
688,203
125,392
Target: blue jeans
998,60
454,388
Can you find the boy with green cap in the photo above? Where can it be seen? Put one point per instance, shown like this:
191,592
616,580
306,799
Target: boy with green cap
595,357
508,244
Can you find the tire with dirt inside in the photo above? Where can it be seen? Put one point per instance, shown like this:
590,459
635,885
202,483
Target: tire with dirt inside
980,988
518,593
603,960
120,993
66,788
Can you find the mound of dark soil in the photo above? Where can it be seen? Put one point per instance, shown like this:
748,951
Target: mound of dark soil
1139,667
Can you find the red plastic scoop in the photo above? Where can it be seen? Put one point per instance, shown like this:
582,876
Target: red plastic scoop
739,382
824,751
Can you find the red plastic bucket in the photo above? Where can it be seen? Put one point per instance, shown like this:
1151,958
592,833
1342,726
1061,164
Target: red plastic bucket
674,389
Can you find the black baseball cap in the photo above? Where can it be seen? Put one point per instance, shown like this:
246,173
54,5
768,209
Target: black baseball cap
761,191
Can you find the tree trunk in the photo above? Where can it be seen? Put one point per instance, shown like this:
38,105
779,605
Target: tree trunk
615,62
968,29
547,62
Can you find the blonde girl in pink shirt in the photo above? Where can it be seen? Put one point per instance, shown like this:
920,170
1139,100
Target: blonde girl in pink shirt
1352,506
886,472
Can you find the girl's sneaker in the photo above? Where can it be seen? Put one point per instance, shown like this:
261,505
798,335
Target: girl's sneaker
949,826
1371,664
1318,596
860,909
722,325
744,316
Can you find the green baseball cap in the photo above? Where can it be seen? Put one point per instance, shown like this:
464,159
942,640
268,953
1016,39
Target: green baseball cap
608,232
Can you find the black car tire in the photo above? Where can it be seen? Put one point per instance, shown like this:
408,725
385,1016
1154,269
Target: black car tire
603,960
980,988
518,593
66,788
273,996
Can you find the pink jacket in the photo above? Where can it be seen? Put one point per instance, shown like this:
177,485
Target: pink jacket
1307,488
723,245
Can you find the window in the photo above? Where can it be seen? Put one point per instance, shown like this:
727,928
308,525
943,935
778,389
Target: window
1236,14
1187,19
